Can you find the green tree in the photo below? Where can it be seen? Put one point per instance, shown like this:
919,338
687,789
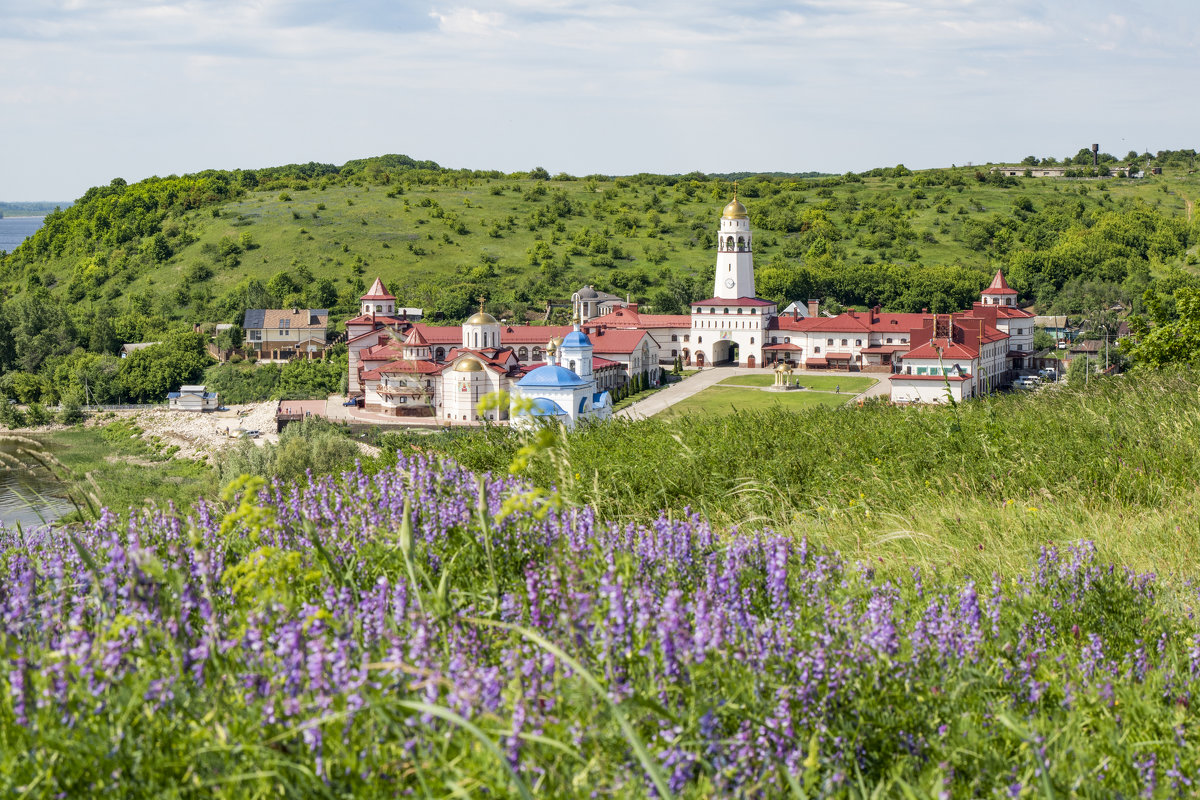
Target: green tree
1171,340
147,375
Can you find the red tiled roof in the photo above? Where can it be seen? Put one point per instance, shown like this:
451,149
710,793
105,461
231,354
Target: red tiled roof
784,346
617,340
415,339
532,334
887,348
604,363
626,317
1012,312
815,362
999,285
440,334
378,292
404,368
839,356
943,350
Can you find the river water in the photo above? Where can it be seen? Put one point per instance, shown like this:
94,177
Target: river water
30,497
14,230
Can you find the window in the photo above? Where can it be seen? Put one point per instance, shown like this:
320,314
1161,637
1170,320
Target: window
256,336
686,337
523,353
674,353
816,349
726,311
440,354
858,342
903,340
285,323
774,340
844,342
739,311
754,311
751,340
674,337
829,342
786,340
889,340
379,308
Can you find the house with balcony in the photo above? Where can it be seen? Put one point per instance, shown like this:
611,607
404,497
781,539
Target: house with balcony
285,334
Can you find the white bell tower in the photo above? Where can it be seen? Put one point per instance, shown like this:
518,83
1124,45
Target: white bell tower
735,259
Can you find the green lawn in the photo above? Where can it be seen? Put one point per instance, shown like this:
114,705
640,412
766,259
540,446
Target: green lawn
726,399
822,383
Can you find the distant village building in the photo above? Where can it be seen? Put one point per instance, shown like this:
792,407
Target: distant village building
588,303
284,334
401,367
193,398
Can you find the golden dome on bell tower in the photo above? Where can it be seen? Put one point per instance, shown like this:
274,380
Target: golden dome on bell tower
735,210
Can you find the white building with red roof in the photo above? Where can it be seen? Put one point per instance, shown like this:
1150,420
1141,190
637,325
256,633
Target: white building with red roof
400,367
730,325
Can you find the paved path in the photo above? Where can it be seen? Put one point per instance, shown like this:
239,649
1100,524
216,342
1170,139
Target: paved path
694,384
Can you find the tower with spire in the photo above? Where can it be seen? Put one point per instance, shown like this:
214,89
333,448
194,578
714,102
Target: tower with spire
735,258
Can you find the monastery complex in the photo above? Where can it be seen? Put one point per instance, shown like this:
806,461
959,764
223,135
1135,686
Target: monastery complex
403,367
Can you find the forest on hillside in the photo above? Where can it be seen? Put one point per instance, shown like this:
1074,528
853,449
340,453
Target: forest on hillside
147,261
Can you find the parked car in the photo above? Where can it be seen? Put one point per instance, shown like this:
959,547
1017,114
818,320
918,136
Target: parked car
1048,374
1026,382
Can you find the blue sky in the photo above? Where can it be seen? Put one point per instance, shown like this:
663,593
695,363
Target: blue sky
96,89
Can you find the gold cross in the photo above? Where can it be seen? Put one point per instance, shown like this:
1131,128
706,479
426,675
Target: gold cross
481,300
735,190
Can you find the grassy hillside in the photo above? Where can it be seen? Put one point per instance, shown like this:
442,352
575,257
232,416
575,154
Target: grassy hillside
132,262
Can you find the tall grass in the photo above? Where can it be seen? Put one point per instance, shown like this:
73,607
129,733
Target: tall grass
972,484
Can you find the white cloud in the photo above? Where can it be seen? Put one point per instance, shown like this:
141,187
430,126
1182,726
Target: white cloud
575,85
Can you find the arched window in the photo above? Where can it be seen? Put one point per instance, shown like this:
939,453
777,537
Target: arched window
751,340
845,342
572,367
378,307
729,242
523,353
537,354
858,342
674,337
889,340
829,342
786,340
439,354
739,311
699,340
741,243
816,349
726,311
674,353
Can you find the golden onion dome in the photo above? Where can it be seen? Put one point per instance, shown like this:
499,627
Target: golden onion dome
482,318
781,366
735,210
469,365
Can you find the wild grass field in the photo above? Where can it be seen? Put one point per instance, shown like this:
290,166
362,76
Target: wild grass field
990,600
